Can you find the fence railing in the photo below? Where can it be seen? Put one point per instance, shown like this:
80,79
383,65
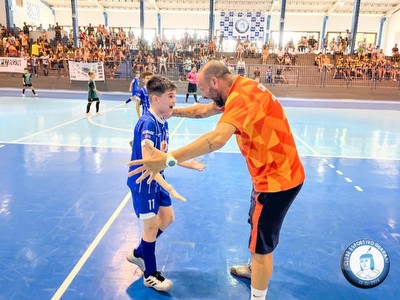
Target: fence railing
271,74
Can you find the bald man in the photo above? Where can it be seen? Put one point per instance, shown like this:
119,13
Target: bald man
265,139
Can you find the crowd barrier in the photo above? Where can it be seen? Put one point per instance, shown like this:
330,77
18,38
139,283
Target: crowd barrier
272,74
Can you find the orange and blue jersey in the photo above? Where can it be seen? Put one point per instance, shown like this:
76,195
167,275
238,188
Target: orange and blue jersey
264,136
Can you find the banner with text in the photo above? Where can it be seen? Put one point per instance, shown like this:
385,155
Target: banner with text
80,71
12,64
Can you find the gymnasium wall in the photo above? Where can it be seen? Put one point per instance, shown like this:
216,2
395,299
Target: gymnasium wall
391,32
33,12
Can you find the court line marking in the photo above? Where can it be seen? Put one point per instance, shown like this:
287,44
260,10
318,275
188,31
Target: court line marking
1,146
71,276
58,126
332,166
61,290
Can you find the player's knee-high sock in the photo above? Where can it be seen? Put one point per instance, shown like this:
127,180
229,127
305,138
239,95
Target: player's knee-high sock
97,106
149,257
23,91
33,91
138,252
187,96
88,107
195,97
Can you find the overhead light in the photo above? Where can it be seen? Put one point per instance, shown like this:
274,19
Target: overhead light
341,3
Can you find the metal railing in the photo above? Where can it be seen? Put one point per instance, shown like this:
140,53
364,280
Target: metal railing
271,74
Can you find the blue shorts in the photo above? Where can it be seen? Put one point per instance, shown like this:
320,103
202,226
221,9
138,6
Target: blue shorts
147,205
266,215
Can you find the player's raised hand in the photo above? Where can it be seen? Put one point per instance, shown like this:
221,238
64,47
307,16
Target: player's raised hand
151,165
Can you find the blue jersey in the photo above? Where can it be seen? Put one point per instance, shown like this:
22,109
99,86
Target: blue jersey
144,100
135,86
153,128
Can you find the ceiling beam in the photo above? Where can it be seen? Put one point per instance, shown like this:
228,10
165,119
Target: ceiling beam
392,11
274,2
98,5
155,5
334,6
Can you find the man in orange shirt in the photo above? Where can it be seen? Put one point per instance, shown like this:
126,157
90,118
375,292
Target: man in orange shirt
265,140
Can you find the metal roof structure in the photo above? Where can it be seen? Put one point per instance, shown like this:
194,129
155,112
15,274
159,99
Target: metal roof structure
327,7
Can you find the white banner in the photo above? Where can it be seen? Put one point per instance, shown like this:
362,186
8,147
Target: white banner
80,71
12,64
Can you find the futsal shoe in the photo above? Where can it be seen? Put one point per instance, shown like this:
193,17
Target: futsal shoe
23,95
243,271
135,260
158,282
36,95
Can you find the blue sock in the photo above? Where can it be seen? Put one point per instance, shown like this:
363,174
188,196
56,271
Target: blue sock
129,100
138,252
149,257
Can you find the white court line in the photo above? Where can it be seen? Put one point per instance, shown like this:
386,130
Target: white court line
2,146
58,126
358,188
330,165
61,290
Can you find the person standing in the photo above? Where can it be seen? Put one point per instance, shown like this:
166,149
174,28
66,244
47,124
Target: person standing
192,86
143,96
93,94
134,87
27,82
152,202
265,140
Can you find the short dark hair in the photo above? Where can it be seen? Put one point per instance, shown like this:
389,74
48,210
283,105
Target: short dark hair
158,85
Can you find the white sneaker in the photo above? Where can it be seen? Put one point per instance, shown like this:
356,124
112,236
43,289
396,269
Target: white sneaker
243,271
23,95
135,260
157,282
36,94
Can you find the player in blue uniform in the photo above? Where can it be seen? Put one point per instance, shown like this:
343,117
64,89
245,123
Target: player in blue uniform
143,96
152,202
134,87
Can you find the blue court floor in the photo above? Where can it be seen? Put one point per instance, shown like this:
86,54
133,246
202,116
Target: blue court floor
67,220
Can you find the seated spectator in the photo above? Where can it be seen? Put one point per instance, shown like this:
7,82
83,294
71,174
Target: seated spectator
395,53
318,61
326,63
265,54
312,44
287,61
279,77
241,67
280,56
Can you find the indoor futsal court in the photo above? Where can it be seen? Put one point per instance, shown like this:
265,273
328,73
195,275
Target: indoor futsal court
67,219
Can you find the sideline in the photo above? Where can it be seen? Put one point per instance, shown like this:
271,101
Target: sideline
61,290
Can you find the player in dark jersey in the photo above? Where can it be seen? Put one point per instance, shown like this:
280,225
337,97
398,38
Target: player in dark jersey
93,94
27,82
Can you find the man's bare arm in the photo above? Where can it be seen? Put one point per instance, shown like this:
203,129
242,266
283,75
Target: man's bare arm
197,111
